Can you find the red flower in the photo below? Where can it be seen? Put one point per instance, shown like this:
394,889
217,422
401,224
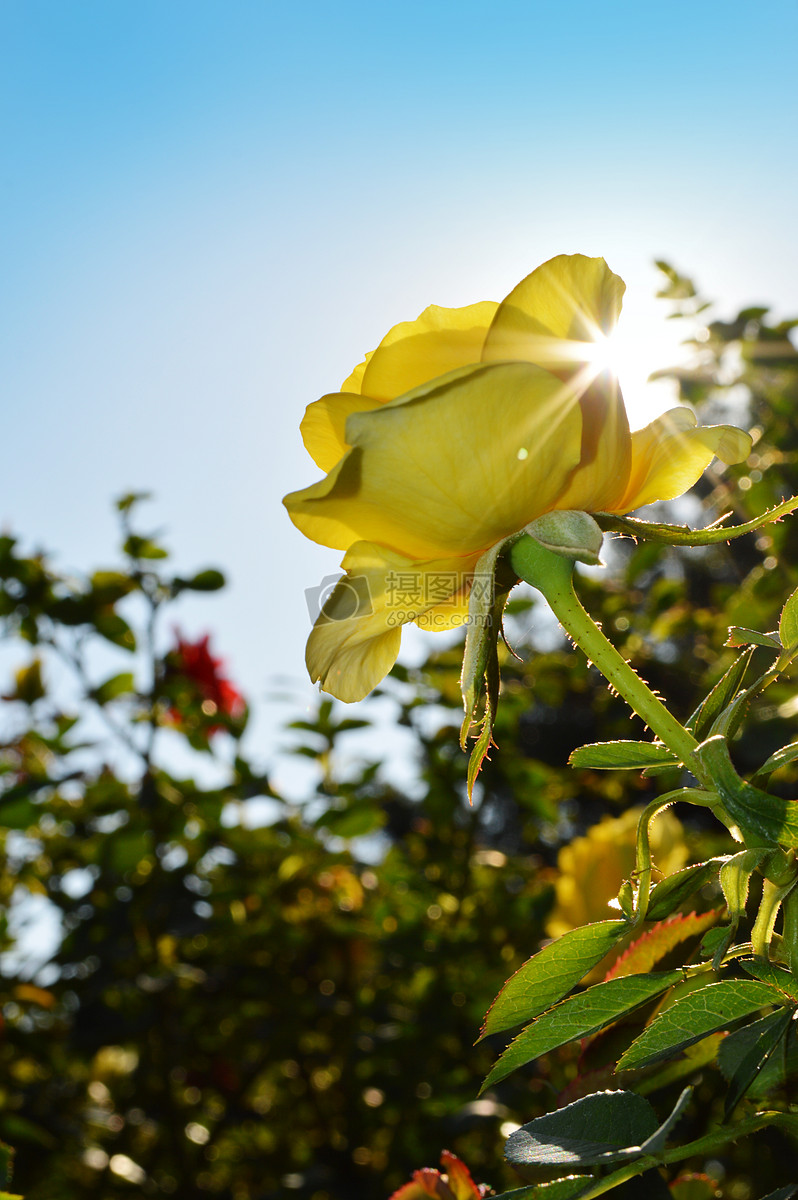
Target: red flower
193,662
454,1183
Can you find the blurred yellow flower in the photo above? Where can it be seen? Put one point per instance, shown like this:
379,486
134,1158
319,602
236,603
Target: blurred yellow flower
592,868
460,429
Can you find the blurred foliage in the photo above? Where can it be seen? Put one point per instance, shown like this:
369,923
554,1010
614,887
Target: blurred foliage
291,1009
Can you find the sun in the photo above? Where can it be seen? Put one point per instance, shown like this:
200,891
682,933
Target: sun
633,352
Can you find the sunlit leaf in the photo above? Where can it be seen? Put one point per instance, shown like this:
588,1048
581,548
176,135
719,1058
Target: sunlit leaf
580,1016
550,974
622,754
706,1010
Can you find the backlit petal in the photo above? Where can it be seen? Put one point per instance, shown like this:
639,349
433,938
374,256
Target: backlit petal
606,456
354,382
452,468
355,641
549,317
415,352
670,454
323,426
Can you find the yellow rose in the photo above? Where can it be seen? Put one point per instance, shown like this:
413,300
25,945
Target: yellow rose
593,867
460,429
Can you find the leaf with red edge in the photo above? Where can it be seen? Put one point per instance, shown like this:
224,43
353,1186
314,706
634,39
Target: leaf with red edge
423,1184
694,1187
453,1183
655,943
461,1184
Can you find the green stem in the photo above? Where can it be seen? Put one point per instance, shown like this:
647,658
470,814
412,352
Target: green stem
762,932
643,861
552,574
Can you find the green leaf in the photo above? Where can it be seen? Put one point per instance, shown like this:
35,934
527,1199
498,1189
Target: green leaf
18,814
580,1016
117,685
549,975
768,972
114,629
715,943
570,1187
707,1010
672,892
109,586
127,849
738,636
607,1127
768,817
722,694
356,820
595,1130
126,502
749,1058
621,755
781,758
788,622
143,547
210,580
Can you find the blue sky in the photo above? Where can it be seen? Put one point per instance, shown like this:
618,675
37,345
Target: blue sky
209,211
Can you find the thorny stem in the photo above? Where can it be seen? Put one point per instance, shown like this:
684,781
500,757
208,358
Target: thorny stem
552,575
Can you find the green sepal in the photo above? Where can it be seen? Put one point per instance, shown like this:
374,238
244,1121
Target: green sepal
682,535
569,533
481,659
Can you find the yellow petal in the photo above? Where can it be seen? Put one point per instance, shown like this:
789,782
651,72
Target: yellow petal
549,317
354,382
323,426
355,641
592,867
670,454
414,352
448,614
450,469
606,453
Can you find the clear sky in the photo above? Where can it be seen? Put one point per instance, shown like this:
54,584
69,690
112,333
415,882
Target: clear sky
210,210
